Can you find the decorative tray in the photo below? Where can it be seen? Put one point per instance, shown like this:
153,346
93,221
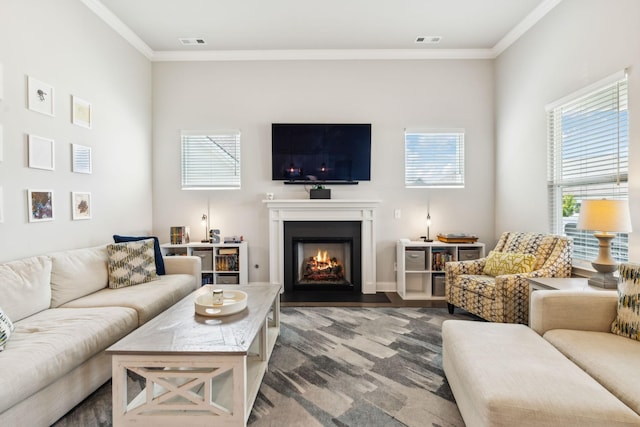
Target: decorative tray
457,239
233,302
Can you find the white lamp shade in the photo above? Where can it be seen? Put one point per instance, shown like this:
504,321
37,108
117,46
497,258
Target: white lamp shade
605,215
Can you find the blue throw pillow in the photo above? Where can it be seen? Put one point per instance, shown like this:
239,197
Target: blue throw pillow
156,249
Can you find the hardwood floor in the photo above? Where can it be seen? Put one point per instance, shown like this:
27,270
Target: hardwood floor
394,300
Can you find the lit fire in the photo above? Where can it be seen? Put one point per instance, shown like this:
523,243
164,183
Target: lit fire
322,267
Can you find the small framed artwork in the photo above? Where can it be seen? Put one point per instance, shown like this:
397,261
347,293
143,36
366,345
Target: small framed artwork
81,112
41,153
39,96
80,159
81,205
40,205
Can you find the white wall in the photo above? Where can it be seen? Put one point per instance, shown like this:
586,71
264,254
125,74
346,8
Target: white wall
391,95
578,43
65,45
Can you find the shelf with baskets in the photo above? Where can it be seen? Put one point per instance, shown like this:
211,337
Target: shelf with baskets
420,266
222,263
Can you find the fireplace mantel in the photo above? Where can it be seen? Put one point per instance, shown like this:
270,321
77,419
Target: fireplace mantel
322,210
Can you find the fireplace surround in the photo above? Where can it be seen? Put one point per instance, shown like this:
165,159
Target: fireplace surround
301,210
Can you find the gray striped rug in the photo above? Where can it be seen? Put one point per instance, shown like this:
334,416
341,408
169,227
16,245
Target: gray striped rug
339,366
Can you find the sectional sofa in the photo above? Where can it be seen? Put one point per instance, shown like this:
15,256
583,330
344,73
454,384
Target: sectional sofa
568,369
64,316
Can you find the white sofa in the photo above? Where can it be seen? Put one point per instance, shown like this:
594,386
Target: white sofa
65,316
568,369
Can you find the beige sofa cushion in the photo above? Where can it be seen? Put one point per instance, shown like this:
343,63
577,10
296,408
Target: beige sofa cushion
611,359
505,375
76,273
148,299
52,343
24,287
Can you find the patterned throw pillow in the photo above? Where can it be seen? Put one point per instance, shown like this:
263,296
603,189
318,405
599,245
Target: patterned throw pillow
499,263
131,263
627,322
6,328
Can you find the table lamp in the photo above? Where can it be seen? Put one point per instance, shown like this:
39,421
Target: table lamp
605,217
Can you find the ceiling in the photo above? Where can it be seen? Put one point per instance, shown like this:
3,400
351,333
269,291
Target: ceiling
321,29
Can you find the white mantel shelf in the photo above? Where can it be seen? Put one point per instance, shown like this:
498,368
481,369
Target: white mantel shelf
282,210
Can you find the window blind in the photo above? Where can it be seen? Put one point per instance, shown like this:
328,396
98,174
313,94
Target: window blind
434,158
210,160
588,159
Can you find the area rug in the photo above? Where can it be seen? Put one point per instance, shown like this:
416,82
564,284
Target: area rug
341,366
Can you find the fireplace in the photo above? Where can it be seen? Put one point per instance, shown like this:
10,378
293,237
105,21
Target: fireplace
282,211
322,256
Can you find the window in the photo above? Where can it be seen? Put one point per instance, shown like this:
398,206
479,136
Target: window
588,159
210,160
434,158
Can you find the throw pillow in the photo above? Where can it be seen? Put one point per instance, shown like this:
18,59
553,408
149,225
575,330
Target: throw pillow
627,321
499,263
156,249
6,328
131,263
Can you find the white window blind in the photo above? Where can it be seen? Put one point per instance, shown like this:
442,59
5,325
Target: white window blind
588,159
434,158
210,160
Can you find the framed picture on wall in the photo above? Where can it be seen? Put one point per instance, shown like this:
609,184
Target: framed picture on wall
81,205
81,159
40,205
39,96
81,112
41,153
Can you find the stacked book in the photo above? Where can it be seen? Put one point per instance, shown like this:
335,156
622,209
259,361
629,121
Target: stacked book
179,235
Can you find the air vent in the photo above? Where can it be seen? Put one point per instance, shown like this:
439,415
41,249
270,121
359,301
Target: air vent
428,39
190,41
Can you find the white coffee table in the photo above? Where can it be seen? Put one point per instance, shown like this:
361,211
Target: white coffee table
198,370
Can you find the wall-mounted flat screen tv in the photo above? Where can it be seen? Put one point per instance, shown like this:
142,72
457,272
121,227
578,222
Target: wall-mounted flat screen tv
321,152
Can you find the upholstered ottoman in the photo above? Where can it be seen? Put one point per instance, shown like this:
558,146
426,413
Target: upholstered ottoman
508,375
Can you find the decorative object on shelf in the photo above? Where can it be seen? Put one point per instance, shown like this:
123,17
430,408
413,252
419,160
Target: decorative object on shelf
81,205
457,238
604,217
40,205
319,192
205,224
81,112
39,96
427,238
233,239
214,235
232,302
179,235
41,153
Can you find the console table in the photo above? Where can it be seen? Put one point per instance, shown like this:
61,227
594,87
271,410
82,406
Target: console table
198,370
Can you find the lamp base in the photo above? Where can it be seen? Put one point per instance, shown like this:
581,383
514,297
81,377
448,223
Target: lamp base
604,280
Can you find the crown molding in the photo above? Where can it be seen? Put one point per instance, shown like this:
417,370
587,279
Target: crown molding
321,55
119,27
523,26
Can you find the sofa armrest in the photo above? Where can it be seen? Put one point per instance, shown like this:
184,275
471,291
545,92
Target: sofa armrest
474,266
184,265
578,310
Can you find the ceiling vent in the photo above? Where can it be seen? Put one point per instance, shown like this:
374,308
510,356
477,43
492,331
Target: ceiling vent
428,39
191,41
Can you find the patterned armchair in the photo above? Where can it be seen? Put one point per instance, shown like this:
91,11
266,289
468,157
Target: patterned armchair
505,297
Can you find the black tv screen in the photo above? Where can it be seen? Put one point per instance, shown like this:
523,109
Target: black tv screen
321,152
